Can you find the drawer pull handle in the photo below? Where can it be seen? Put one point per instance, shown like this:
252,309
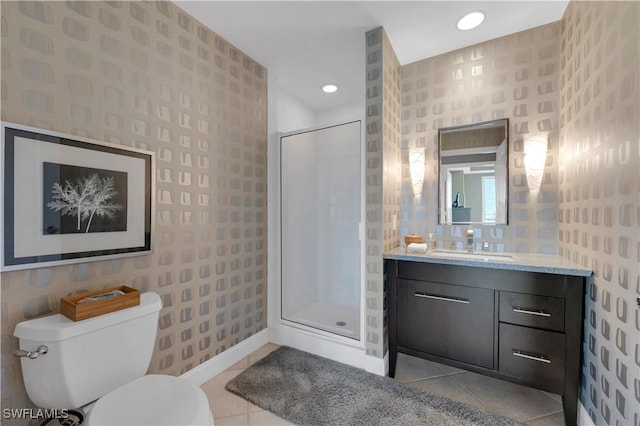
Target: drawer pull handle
446,299
528,312
531,357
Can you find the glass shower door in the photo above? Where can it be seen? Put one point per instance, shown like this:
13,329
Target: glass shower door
320,222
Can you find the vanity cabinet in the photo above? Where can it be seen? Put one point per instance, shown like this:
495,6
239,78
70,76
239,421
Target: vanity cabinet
521,326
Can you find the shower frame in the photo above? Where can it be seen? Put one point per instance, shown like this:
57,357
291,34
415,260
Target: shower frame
291,329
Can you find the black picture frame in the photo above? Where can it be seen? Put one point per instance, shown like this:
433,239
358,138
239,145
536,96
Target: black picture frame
68,199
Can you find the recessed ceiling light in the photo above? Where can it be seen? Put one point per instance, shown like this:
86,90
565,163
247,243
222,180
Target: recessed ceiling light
470,21
329,88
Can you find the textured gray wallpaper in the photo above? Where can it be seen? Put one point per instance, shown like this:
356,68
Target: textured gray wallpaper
514,77
145,74
391,164
373,204
600,196
382,177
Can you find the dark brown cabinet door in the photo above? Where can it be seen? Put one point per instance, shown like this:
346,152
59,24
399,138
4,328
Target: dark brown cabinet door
451,321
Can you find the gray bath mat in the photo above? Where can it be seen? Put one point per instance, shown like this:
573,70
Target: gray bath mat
306,389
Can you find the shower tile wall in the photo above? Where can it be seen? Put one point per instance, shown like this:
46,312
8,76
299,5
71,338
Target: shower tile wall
145,74
600,198
513,77
382,171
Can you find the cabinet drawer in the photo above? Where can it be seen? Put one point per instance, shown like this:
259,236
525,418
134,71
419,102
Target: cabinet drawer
534,356
450,321
533,311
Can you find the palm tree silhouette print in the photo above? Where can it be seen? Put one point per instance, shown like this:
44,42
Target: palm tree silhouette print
90,196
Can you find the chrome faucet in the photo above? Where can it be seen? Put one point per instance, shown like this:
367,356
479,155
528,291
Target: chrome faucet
470,240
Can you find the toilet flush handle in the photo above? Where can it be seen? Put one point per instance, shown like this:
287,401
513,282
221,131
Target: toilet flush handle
42,349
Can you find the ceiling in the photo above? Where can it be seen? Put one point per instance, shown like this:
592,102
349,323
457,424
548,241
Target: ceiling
306,44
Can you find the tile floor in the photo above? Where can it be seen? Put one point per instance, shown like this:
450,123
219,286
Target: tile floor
531,406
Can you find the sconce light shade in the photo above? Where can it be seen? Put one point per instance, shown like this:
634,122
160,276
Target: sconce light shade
416,166
535,157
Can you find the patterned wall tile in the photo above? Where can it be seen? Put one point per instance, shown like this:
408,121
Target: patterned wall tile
600,196
513,77
147,75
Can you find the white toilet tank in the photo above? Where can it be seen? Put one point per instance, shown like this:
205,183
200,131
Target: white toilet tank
87,359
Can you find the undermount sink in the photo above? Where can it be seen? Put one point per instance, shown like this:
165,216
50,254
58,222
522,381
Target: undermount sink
487,257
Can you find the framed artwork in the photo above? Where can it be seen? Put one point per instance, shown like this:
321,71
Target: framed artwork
67,199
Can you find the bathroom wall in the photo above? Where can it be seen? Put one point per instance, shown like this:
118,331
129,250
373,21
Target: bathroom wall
342,114
514,77
145,74
382,158
289,114
600,196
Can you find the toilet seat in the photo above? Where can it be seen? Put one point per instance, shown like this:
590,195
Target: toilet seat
153,400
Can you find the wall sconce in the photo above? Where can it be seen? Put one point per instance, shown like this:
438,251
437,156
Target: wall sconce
535,157
416,166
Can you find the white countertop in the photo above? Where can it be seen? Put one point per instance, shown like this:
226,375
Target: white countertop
529,262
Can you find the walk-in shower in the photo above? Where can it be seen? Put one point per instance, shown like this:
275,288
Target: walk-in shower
320,196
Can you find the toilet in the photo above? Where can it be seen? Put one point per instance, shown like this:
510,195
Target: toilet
99,364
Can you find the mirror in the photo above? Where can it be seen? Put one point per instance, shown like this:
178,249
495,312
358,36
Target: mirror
473,173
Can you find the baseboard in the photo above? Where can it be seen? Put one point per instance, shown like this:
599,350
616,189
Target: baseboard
375,365
327,347
219,363
583,416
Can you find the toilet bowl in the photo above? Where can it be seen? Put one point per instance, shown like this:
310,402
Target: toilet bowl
99,364
152,400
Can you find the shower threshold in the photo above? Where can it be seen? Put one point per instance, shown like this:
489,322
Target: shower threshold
340,320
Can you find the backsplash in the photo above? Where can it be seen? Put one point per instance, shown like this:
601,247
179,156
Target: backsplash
146,74
514,77
600,196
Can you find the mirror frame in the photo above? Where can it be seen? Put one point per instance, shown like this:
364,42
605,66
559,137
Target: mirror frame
440,183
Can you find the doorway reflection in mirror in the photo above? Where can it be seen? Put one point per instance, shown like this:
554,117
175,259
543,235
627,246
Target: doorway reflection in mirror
473,173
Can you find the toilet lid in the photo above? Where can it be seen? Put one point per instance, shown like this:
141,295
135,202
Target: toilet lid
153,400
